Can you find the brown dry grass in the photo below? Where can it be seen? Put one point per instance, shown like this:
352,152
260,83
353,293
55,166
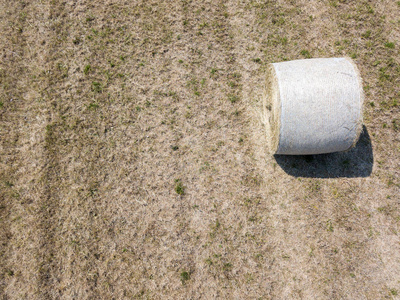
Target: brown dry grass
133,159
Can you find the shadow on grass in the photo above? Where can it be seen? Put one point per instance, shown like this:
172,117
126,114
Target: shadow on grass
356,162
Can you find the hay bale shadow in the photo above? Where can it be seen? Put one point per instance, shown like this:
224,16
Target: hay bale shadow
356,162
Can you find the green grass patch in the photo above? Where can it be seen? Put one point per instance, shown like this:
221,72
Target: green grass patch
179,187
96,87
185,276
305,53
87,69
389,45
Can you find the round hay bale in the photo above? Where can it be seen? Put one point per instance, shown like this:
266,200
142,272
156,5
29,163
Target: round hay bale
313,106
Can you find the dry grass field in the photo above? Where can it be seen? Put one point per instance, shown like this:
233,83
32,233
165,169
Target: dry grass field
134,161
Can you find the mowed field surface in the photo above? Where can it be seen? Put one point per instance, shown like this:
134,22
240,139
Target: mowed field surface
134,161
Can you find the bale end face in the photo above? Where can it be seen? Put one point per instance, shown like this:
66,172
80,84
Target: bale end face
272,109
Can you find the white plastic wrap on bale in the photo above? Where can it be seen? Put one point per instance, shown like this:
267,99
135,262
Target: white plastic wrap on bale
313,105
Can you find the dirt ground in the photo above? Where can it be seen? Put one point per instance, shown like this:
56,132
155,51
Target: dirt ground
134,161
